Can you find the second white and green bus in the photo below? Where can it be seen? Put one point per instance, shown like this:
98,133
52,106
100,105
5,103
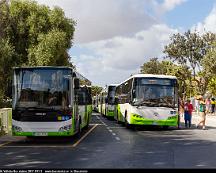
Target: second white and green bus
146,99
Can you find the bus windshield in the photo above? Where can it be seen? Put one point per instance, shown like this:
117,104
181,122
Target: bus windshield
41,88
157,92
111,94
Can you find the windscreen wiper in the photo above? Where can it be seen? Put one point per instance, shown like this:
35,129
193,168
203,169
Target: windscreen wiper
146,103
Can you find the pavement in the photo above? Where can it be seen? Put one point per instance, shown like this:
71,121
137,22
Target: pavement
210,119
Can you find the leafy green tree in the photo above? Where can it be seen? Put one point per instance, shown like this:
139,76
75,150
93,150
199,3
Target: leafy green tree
209,68
50,50
6,61
188,49
96,90
153,66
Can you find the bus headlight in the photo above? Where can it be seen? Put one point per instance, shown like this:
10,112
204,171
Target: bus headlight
172,112
65,128
17,128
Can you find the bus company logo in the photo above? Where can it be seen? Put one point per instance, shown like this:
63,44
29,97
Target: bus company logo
38,113
155,114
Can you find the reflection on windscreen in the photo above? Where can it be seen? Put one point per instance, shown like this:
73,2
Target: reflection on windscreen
154,95
41,88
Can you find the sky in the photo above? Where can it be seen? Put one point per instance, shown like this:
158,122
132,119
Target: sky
113,38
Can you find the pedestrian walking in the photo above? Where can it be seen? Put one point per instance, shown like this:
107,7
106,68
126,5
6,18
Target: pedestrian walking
202,110
188,109
213,105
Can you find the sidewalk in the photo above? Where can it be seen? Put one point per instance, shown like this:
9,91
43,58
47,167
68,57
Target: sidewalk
210,119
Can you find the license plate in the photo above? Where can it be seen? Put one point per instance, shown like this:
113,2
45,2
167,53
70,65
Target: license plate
40,134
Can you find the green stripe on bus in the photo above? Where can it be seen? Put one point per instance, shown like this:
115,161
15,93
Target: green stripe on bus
138,120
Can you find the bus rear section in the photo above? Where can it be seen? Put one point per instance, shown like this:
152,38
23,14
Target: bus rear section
148,100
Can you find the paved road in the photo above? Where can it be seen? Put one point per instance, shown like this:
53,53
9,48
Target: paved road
107,144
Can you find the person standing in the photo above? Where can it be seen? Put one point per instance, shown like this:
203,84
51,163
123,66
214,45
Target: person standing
212,105
202,109
188,109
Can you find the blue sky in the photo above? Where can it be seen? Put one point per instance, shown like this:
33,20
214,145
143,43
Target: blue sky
113,38
189,13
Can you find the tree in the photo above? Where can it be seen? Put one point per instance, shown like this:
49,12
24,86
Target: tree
153,66
209,68
188,49
96,90
6,61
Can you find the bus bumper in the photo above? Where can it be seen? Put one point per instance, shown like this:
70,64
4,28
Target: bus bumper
66,133
110,113
138,120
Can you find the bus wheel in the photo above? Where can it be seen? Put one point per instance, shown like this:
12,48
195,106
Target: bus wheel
126,122
117,119
165,127
79,128
87,125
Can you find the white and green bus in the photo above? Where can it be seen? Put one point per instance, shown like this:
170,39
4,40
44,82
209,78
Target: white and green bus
46,101
102,101
95,103
146,99
107,101
110,101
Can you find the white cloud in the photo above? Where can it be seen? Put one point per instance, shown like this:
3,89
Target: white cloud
115,59
171,4
209,24
104,19
167,5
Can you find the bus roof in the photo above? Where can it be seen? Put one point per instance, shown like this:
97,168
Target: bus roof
150,75
81,77
35,67
112,85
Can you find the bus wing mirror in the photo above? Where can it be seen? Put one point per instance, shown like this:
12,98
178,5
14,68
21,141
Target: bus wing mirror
76,83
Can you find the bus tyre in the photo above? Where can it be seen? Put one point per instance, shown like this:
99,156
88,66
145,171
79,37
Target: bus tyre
117,118
87,125
127,125
165,127
79,128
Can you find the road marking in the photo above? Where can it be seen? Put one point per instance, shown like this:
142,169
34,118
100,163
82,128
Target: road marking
97,124
1,145
74,145
49,146
113,134
110,131
117,138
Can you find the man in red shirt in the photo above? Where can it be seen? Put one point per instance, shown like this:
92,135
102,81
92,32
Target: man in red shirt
188,108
